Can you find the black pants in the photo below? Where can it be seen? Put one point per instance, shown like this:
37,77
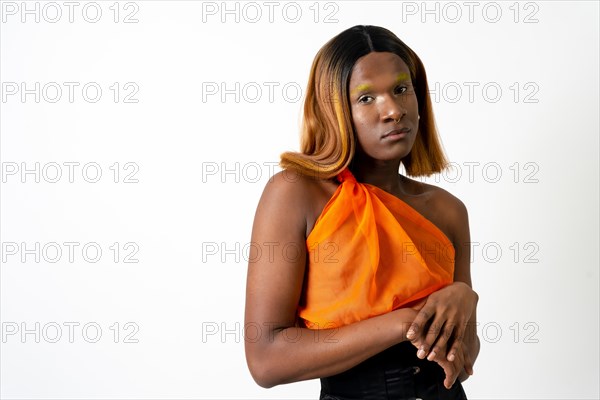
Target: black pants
396,373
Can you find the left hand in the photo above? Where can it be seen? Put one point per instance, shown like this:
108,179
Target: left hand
453,369
444,316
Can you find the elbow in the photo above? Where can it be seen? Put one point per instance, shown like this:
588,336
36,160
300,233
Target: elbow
262,373
265,382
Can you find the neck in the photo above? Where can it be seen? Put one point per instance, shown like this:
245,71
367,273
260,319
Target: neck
383,174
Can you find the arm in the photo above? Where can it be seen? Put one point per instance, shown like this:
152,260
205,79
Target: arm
281,352
450,313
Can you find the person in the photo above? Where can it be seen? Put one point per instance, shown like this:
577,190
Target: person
359,275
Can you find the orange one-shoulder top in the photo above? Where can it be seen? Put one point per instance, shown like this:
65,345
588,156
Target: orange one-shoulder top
370,253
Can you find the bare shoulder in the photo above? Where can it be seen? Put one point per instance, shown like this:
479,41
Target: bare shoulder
292,188
288,186
443,198
449,214
296,197
284,195
444,209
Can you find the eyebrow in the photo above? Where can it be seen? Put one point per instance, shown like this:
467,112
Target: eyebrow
401,77
363,87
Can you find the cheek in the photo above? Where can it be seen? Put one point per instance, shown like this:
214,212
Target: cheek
362,127
361,119
410,103
414,102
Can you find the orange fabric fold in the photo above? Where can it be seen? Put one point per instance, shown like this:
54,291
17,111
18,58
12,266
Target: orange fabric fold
370,253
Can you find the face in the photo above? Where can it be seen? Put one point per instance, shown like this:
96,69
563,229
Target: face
384,106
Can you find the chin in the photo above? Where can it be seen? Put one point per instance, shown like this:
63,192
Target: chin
393,155
389,154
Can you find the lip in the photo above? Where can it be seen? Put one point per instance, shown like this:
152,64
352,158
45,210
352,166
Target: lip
396,133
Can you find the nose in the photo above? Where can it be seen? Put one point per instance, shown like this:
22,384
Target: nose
392,110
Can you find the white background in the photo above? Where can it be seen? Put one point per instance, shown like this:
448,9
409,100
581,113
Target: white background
187,220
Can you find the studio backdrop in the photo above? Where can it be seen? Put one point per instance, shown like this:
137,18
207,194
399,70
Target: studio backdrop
138,136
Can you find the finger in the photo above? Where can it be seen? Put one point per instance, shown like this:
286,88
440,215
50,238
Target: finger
457,342
418,305
450,371
454,371
417,342
440,345
437,356
451,378
468,364
458,367
420,320
432,335
469,369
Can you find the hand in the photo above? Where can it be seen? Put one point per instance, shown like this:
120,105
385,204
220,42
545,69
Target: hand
418,305
444,316
453,369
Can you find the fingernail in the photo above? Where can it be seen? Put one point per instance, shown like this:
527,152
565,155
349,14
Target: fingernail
431,356
421,353
410,334
451,357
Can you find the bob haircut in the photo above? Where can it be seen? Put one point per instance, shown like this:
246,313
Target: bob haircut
328,140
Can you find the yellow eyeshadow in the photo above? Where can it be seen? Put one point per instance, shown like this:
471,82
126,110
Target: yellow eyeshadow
360,88
402,77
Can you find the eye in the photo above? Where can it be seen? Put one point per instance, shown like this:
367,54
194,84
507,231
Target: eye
400,89
365,99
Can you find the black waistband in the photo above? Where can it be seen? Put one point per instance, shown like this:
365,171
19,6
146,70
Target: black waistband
398,360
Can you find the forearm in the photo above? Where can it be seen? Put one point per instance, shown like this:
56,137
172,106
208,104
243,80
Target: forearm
295,354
